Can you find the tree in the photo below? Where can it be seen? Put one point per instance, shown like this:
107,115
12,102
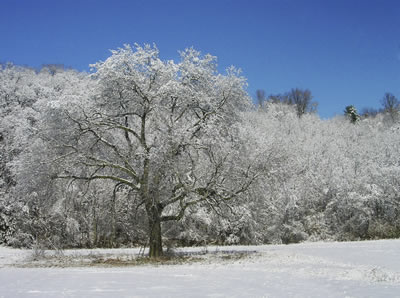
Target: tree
391,105
351,113
164,130
302,99
260,97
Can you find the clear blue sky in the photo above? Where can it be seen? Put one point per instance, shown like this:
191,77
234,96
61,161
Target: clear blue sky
344,51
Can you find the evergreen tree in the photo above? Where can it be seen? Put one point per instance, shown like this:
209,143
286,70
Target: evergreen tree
351,113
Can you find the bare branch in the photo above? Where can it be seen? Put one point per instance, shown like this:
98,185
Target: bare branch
95,177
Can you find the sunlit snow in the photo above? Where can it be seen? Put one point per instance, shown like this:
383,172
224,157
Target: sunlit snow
347,269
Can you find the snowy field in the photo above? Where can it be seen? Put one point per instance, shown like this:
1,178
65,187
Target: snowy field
347,269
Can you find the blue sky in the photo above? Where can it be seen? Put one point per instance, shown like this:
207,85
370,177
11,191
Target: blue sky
345,52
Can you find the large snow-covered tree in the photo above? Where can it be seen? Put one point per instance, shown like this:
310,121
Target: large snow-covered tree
164,130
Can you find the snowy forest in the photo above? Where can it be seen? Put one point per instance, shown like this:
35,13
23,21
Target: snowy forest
147,152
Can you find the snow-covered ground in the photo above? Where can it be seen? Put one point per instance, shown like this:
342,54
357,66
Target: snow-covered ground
347,269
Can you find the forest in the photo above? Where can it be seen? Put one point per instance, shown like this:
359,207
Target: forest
146,152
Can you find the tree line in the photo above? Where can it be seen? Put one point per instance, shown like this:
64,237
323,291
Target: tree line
302,101
148,152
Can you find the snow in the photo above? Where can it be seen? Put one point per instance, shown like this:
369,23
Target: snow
347,269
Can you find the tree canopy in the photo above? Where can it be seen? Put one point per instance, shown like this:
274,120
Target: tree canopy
143,151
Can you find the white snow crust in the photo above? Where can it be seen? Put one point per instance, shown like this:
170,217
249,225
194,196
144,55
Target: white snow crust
346,269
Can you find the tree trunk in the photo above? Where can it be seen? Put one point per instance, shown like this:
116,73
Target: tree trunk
155,245
94,227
